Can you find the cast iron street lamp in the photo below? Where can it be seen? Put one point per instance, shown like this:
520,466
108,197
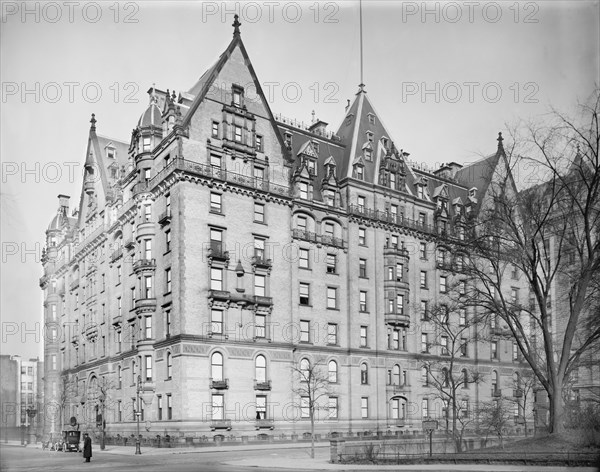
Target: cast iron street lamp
102,399
31,412
138,414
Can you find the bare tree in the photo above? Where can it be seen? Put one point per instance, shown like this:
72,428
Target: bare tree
549,234
523,391
494,417
311,386
445,368
66,395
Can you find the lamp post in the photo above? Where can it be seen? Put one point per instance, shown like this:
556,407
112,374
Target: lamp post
102,399
138,414
31,412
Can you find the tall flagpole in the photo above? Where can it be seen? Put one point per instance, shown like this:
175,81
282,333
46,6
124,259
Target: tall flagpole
362,84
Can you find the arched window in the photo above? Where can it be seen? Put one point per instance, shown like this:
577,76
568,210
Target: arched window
260,368
364,373
304,370
444,377
169,365
396,375
216,366
333,371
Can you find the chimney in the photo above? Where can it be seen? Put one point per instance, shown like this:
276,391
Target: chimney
63,202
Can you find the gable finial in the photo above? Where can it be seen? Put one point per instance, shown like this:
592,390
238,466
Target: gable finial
500,139
236,25
93,122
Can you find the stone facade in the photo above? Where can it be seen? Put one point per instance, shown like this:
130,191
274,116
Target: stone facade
222,246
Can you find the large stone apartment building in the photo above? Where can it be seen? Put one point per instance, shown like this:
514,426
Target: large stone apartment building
224,246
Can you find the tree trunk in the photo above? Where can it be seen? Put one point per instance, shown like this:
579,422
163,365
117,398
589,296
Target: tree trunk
312,436
556,411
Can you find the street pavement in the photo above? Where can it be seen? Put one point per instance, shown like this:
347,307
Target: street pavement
244,458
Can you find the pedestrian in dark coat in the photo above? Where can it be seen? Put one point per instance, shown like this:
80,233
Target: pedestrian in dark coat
87,447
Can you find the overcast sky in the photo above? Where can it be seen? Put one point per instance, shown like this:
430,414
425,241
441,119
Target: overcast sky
444,78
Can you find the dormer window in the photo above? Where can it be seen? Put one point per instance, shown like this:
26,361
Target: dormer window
238,134
369,136
288,139
371,118
360,173
473,192
420,192
237,93
311,166
315,146
368,155
110,153
393,181
259,143
146,144
329,197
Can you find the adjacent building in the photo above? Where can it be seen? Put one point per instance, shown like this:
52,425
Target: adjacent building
223,247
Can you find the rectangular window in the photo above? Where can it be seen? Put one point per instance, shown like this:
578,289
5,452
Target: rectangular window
361,203
422,219
119,306
259,213
215,202
494,346
303,259
259,248
399,304
216,279
424,343
331,263
515,351
423,250
260,326
364,407
148,368
332,330
238,134
216,322
463,347
302,223
218,407
331,297
399,271
303,186
443,280
304,407
169,407
148,327
390,273
259,285
333,408
147,212
119,273
363,336
148,286
261,407
514,295
444,345
168,280
168,323
259,173
362,268
160,407
362,236
215,129
424,312
359,172
462,317
216,162
304,331
423,279
132,298
168,240
362,300
304,292
425,408
259,143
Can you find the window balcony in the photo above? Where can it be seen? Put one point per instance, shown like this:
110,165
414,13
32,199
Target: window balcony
144,305
304,235
217,252
116,254
264,423
222,295
395,250
263,386
220,424
398,422
397,319
164,218
262,301
222,384
144,265
260,262
398,389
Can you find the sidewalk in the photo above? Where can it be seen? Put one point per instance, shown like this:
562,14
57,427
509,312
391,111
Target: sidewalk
299,458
